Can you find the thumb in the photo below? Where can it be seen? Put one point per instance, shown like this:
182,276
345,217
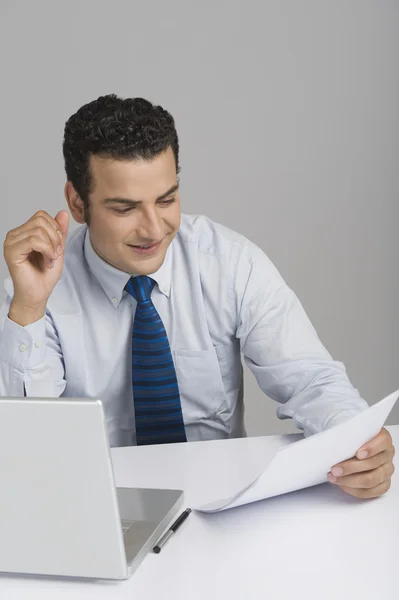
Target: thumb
62,218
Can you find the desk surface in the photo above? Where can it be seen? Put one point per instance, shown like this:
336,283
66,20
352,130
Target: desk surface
317,543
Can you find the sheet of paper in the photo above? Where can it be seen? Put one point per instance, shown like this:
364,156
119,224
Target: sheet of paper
307,462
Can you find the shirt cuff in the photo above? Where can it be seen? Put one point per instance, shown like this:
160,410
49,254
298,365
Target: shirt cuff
346,414
23,347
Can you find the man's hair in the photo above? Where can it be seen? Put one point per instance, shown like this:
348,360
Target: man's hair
112,127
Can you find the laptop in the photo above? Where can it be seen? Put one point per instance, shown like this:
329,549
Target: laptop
60,512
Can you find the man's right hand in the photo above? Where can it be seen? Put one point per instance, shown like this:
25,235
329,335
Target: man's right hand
34,253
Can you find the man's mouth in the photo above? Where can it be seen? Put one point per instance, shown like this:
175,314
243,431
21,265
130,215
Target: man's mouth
147,248
145,245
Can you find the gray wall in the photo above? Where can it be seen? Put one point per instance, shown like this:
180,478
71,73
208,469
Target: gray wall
288,119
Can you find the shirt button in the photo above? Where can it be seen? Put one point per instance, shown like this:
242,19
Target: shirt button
22,347
37,344
115,300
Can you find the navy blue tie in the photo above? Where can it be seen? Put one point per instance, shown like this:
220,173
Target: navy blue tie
157,405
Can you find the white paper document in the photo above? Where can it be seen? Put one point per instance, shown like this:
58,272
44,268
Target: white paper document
307,462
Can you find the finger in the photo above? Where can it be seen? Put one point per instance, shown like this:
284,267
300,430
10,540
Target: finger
46,233
380,442
41,220
354,465
44,219
379,490
44,229
51,226
62,220
18,252
367,479
44,215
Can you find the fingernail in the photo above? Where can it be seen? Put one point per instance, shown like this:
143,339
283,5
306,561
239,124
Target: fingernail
362,454
337,471
331,478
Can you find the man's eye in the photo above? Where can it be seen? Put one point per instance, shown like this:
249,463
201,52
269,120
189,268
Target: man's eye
125,211
122,211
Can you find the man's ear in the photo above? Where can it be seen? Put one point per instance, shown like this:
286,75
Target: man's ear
75,203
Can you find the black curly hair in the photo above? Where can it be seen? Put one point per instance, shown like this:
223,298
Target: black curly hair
125,129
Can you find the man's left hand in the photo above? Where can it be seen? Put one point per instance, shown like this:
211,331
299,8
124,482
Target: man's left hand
369,473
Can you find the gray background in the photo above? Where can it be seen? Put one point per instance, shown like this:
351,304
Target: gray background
287,113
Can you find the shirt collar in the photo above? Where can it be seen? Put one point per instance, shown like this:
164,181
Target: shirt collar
113,281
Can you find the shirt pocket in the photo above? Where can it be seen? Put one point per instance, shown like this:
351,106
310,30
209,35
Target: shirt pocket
200,383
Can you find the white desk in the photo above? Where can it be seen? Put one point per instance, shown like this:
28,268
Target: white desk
316,543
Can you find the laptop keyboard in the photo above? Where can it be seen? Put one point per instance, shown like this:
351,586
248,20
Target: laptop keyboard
126,525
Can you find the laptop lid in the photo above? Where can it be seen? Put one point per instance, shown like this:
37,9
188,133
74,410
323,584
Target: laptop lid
58,506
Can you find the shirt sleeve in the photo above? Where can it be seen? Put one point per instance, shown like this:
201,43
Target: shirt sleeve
283,351
31,362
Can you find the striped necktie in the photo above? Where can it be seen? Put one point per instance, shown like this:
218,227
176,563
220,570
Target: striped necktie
157,406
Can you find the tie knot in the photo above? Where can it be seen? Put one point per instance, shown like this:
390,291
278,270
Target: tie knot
140,287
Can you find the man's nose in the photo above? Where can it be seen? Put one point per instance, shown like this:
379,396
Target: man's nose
150,227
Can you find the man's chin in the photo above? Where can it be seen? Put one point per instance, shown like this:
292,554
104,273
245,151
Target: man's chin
146,267
145,263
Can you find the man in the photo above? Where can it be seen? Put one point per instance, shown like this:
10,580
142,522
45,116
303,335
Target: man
149,310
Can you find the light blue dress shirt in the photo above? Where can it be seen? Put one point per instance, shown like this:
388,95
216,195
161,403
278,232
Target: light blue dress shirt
219,297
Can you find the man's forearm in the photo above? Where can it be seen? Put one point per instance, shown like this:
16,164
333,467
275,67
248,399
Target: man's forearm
326,397
30,355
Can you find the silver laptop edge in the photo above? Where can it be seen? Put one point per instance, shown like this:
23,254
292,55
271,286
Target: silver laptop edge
60,512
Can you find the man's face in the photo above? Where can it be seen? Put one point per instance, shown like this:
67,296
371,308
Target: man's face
134,203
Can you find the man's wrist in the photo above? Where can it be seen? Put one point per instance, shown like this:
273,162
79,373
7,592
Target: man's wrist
26,315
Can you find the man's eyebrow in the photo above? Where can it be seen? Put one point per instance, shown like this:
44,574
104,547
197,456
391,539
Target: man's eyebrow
130,202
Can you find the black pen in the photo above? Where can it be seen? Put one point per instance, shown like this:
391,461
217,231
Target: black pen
172,530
